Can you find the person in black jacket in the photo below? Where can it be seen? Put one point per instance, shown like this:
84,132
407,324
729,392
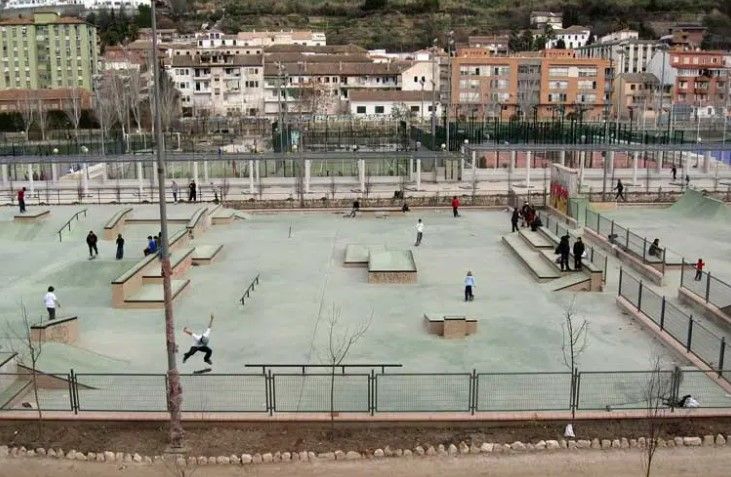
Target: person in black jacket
91,240
578,253
120,247
514,219
564,250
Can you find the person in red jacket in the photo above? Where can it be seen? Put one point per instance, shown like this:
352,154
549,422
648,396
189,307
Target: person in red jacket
455,206
699,269
21,200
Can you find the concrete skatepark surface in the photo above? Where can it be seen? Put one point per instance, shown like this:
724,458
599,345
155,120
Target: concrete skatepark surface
303,276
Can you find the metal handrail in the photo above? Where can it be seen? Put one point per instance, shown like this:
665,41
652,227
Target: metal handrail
249,289
68,224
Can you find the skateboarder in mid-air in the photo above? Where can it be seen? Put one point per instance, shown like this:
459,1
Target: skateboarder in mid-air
200,343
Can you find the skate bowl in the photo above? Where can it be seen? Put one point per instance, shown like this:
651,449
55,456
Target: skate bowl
449,326
391,266
115,225
62,330
695,204
33,216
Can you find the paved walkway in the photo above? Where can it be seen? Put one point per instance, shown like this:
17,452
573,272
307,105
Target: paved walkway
708,462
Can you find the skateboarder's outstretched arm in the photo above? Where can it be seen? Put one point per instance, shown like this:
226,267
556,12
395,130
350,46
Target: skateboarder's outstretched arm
187,331
211,321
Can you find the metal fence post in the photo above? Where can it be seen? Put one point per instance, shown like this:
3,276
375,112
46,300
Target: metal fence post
662,314
621,271
690,334
626,240
644,249
272,398
682,271
721,355
639,297
577,388
372,392
473,393
598,218
708,286
612,228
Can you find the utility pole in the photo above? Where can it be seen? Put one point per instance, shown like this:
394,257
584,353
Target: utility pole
450,44
434,95
174,390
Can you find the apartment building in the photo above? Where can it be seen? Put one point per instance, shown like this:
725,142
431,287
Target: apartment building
48,51
635,96
694,78
86,4
269,38
541,19
574,36
219,85
541,85
627,53
398,104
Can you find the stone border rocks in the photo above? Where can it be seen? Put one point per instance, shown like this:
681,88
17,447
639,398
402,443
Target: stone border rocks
422,450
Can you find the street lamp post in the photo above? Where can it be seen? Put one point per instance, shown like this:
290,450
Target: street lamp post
174,390
450,44
434,94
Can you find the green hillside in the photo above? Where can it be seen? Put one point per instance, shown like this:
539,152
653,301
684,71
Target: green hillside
412,24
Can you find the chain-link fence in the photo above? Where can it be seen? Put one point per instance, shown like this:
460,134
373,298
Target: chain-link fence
696,338
358,390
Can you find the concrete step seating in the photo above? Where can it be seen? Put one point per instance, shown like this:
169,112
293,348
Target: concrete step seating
222,216
180,261
536,239
205,254
532,258
570,282
151,296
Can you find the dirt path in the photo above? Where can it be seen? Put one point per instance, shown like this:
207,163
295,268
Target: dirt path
708,462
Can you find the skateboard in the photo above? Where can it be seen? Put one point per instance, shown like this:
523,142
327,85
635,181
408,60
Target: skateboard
203,371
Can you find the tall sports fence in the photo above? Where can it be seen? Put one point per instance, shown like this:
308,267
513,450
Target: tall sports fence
360,390
695,338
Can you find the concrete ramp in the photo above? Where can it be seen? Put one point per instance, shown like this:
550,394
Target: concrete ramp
694,204
572,282
60,358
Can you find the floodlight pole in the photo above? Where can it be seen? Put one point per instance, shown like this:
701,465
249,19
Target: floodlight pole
174,390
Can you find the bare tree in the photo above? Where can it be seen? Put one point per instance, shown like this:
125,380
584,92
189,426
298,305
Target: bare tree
119,85
104,108
657,394
367,183
28,352
72,107
339,344
168,101
574,334
42,112
27,109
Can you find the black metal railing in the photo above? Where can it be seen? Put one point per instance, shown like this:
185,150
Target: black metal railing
696,338
708,288
360,390
67,225
249,289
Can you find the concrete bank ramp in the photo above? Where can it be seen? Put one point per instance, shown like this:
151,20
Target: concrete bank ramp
694,204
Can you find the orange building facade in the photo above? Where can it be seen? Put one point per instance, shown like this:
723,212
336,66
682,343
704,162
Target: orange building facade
543,85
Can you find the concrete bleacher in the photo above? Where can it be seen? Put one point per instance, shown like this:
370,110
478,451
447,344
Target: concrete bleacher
151,296
532,258
127,287
537,239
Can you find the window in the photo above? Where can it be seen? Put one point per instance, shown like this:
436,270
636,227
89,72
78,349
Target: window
360,109
584,85
469,84
560,85
379,109
558,71
414,109
501,70
416,79
585,72
469,97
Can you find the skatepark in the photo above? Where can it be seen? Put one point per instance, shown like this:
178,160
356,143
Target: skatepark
301,261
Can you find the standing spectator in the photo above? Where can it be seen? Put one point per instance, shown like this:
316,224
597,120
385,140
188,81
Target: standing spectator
455,206
564,250
192,196
91,240
356,208
51,303
674,170
524,213
699,269
21,200
687,180
175,192
530,215
419,232
469,285
654,250
120,247
514,219
578,253
620,190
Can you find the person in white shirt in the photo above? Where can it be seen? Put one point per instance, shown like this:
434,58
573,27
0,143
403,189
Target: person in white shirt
469,284
200,343
51,302
419,232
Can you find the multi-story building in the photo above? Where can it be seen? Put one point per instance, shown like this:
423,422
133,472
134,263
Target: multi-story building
694,78
87,4
541,19
219,85
627,53
574,36
48,51
394,104
635,96
543,85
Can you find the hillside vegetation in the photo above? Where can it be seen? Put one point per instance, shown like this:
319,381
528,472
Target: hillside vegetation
413,24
